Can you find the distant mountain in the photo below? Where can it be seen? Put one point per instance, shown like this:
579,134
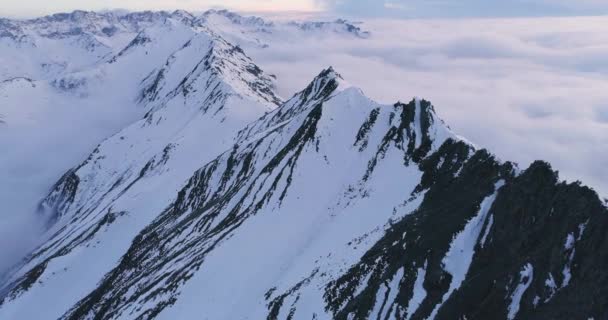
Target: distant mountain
222,201
66,42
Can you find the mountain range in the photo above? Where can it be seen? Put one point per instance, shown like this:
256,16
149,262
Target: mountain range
218,199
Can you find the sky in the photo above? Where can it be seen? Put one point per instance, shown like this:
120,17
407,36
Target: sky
354,8
466,8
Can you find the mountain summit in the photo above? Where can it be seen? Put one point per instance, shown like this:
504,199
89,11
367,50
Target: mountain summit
225,202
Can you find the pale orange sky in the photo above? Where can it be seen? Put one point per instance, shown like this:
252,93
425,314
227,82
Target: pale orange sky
30,8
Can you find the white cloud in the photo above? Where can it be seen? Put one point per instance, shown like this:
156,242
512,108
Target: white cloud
42,140
395,5
525,88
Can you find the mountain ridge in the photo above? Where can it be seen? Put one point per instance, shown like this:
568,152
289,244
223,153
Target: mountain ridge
94,35
288,155
227,202
86,192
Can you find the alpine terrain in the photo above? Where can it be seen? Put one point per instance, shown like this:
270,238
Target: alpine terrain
214,198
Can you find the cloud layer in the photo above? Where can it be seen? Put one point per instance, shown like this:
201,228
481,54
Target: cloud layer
465,8
525,88
40,140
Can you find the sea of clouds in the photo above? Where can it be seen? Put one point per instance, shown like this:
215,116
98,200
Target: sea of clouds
525,88
533,88
43,134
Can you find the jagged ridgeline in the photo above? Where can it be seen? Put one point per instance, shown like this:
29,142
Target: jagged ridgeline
326,206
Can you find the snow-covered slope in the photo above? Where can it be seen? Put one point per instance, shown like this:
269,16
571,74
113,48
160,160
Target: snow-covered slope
223,202
204,93
260,33
310,172
53,120
67,42
68,81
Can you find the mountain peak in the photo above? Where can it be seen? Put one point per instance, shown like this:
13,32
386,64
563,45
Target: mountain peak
329,72
209,54
235,18
320,89
322,85
340,207
337,26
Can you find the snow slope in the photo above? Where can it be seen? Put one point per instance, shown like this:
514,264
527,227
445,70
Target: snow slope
205,90
83,72
224,202
54,119
233,210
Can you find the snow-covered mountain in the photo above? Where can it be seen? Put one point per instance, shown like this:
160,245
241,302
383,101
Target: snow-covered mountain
51,77
65,42
222,201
